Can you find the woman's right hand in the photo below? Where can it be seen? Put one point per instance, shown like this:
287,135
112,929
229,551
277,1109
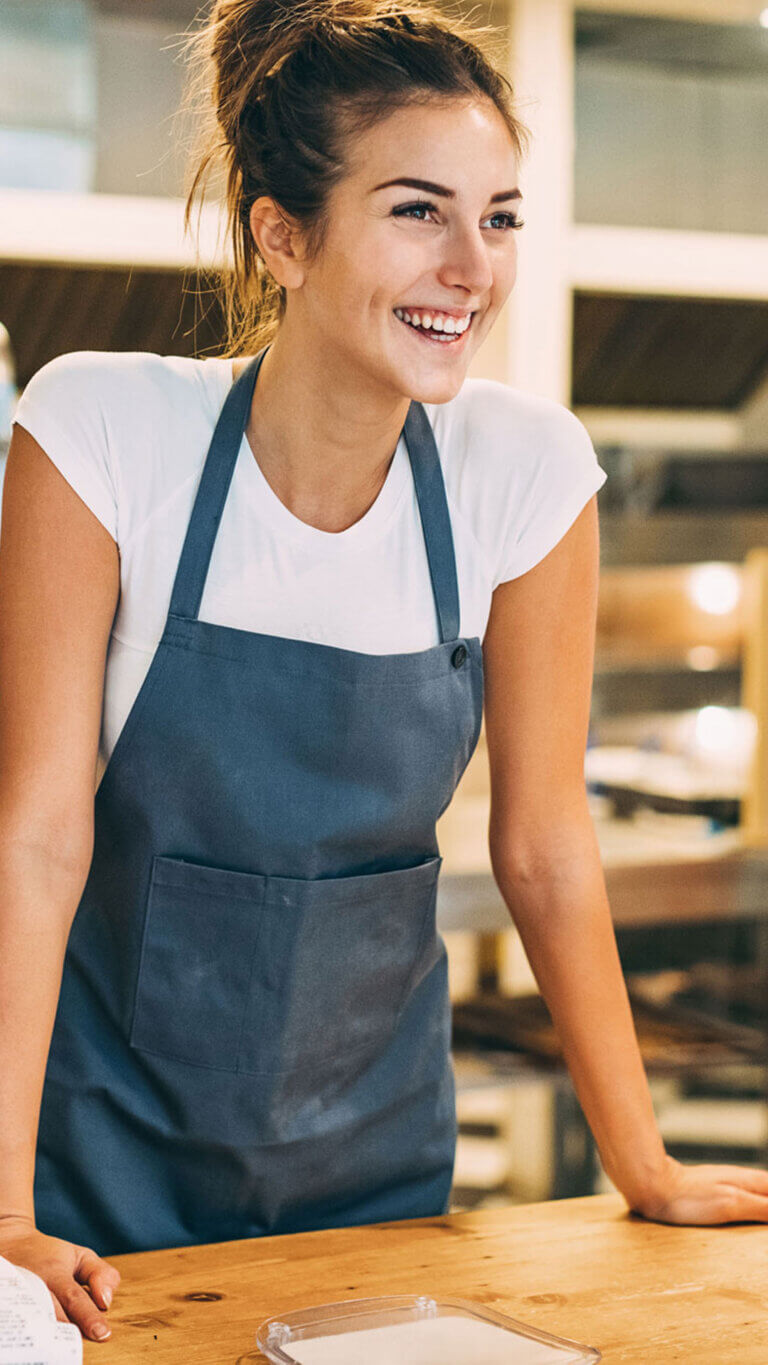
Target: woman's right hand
80,1282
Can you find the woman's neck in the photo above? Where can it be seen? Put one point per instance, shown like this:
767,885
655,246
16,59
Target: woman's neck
323,449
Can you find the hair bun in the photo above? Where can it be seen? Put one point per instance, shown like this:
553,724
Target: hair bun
250,40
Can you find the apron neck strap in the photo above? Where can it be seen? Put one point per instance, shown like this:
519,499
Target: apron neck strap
216,478
212,492
435,518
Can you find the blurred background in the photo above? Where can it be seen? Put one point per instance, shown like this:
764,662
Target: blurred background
642,303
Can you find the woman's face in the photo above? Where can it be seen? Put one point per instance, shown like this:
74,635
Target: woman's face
443,252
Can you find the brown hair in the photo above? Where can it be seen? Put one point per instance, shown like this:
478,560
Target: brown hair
290,80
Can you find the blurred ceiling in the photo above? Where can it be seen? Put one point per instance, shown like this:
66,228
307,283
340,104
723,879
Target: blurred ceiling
177,12
672,43
620,37
182,12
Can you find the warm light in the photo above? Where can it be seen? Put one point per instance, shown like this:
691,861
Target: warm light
703,658
714,588
715,730
724,736
763,18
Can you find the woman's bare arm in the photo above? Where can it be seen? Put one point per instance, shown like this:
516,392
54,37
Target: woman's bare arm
538,656
59,586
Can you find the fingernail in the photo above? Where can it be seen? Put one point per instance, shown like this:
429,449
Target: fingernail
101,1331
107,1297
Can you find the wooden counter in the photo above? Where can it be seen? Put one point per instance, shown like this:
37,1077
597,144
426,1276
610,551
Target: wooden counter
584,1268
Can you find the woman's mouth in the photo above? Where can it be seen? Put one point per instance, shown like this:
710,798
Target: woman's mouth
437,329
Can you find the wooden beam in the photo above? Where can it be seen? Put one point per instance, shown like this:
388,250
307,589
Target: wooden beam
754,417
754,695
703,11
540,309
717,265
670,429
103,229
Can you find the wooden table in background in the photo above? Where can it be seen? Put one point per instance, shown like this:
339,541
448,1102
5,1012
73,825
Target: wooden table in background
650,880
644,1293
652,876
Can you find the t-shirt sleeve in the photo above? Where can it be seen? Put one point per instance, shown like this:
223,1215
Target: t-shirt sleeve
559,477
62,408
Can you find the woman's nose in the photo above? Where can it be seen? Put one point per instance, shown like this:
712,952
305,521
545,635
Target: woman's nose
466,263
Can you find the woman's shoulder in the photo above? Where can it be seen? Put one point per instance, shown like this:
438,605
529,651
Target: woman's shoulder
518,469
126,429
131,384
493,422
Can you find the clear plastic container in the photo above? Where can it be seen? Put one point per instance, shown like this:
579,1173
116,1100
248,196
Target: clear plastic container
402,1330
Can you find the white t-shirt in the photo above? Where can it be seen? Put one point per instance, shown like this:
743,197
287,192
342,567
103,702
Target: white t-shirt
130,432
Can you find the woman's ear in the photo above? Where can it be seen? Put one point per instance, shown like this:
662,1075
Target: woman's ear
279,242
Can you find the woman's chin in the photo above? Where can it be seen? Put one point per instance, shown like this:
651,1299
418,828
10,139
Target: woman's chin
439,388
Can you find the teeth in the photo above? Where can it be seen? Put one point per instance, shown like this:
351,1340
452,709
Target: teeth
437,322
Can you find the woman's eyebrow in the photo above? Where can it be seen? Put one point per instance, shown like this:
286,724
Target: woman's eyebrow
441,189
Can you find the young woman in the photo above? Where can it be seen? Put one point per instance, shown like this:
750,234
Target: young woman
257,591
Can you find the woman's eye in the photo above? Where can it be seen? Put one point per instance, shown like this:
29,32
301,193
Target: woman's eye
510,220
409,210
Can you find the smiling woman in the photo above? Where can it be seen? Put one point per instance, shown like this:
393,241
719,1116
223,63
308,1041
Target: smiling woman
296,83
272,590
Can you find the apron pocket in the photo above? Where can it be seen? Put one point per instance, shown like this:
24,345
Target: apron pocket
271,975
336,961
200,935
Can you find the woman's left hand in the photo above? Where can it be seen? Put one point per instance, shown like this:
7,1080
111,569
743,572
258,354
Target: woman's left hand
707,1194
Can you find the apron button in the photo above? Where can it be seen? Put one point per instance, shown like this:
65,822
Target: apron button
458,658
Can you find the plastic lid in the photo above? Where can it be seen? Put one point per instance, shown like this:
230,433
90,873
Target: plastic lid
411,1331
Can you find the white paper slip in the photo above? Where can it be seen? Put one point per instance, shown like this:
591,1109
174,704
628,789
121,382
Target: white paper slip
432,1341
29,1331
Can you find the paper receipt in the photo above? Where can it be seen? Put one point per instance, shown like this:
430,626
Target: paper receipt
29,1331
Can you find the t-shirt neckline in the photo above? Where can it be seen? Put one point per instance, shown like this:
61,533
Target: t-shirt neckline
269,507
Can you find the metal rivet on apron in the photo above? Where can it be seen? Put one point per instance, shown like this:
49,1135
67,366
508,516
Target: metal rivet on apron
458,658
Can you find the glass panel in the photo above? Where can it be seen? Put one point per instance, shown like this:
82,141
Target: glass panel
671,123
47,95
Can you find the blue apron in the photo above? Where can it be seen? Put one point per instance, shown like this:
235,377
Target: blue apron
253,1031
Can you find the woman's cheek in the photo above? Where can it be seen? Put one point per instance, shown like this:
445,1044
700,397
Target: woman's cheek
504,279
